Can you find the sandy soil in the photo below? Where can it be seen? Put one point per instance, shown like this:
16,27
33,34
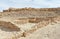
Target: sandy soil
13,26
48,32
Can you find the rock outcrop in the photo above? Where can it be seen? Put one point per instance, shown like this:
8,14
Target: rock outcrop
22,23
30,9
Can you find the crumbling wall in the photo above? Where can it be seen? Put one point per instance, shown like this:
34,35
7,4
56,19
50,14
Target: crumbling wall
21,20
30,9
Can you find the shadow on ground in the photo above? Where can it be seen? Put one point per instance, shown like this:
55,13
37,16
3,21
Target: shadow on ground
7,29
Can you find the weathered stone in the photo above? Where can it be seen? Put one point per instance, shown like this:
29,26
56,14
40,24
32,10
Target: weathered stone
9,25
24,22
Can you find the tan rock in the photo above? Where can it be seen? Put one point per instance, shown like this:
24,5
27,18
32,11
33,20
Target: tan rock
9,25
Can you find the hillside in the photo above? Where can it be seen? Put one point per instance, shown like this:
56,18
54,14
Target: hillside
30,23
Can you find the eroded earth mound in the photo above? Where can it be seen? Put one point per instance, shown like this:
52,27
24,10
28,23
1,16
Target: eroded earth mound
30,23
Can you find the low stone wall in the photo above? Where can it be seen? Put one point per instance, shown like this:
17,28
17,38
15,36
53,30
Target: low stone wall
32,20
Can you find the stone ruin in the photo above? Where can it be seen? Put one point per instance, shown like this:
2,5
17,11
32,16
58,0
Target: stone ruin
30,9
16,19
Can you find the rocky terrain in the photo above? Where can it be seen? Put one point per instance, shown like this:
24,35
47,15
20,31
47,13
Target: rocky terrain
30,23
